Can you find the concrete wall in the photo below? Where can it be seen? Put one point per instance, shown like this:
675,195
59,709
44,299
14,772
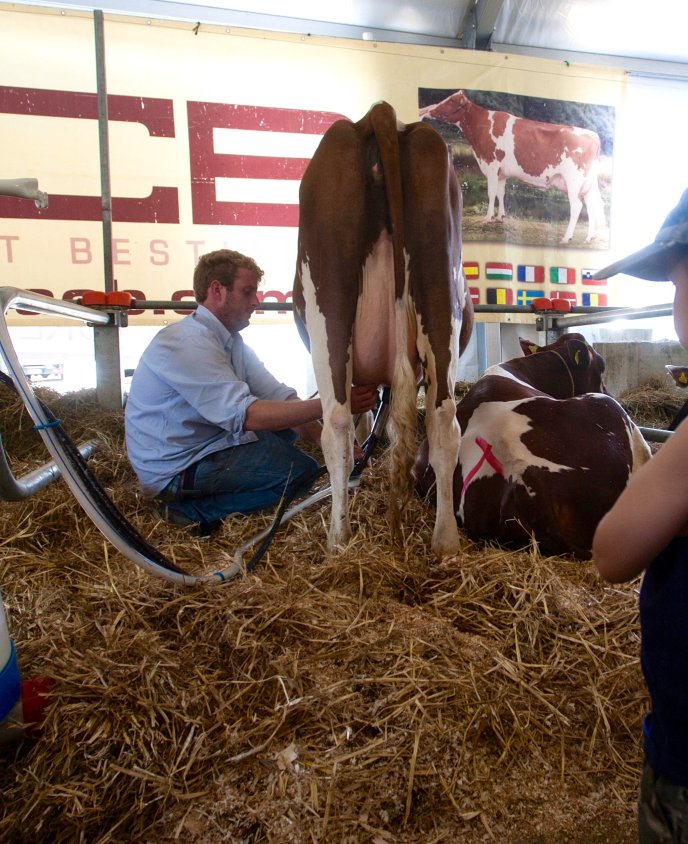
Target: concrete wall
631,364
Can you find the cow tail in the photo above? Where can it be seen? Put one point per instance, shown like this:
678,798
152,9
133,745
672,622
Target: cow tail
401,431
401,426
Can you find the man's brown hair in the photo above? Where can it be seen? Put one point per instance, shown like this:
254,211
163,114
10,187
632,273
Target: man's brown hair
222,266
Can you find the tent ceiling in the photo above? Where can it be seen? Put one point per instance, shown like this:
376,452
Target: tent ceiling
628,31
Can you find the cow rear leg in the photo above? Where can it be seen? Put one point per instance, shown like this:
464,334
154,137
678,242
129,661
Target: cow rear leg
491,197
337,446
501,190
576,204
443,439
595,209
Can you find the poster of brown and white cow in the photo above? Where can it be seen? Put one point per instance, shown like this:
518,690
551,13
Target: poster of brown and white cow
533,171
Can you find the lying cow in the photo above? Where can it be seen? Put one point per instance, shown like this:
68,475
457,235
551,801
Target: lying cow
546,155
545,452
379,286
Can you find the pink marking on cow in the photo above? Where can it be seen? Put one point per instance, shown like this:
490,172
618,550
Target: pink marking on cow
564,446
546,155
486,457
380,297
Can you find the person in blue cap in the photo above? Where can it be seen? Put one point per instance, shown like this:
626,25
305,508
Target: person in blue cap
647,531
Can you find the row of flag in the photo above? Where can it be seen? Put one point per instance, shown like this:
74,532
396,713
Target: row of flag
529,273
524,297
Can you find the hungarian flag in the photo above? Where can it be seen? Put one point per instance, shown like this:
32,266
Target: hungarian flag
471,269
525,297
562,275
499,272
586,277
594,300
499,296
475,294
563,294
531,273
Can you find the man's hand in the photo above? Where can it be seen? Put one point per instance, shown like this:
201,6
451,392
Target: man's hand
364,397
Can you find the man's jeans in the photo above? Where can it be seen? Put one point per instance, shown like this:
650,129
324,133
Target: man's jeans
241,479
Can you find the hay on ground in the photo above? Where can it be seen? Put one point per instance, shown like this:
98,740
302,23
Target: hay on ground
375,696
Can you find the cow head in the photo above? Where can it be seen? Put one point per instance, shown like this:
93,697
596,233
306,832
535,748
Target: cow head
448,110
584,364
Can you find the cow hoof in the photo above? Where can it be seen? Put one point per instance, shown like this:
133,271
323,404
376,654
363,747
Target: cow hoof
446,546
338,542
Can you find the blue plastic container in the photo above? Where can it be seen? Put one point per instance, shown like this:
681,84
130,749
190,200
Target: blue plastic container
10,682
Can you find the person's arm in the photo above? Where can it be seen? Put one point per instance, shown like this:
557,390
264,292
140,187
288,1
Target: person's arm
302,414
648,514
270,415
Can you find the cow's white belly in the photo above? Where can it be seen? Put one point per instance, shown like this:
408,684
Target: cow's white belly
558,176
374,337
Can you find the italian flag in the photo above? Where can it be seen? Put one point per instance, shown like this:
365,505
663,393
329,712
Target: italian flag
562,275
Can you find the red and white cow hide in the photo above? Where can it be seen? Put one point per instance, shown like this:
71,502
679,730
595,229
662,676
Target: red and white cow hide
546,155
379,286
544,451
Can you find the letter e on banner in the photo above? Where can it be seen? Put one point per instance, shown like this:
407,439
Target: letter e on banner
207,165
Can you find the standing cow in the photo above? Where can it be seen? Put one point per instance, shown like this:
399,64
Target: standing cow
545,452
546,155
379,286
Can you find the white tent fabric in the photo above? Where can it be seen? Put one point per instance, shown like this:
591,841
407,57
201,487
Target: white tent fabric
628,30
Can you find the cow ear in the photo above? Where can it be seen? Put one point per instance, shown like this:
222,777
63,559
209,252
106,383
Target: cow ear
579,355
528,347
679,374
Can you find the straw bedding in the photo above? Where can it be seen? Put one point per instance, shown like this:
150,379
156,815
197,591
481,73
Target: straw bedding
377,696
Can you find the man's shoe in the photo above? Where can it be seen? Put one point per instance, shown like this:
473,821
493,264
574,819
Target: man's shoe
162,510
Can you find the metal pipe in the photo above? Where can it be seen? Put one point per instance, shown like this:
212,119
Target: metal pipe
17,489
616,313
13,297
25,188
104,145
655,435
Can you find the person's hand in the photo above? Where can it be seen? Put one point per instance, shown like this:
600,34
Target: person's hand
364,397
